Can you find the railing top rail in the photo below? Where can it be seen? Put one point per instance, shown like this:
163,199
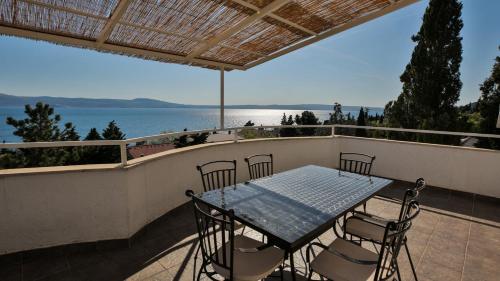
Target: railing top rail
464,134
178,134
60,144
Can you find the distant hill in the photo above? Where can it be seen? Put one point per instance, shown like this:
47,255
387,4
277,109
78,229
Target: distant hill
15,101
9,100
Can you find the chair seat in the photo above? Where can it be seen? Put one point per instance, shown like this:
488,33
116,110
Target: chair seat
250,266
337,268
370,228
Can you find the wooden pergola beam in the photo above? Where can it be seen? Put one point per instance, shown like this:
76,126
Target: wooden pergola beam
90,44
113,20
237,28
120,21
276,17
335,30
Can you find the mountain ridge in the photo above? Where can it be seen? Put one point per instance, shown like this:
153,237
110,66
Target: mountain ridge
14,101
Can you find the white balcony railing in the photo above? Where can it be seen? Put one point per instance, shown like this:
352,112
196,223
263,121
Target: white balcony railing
123,143
73,204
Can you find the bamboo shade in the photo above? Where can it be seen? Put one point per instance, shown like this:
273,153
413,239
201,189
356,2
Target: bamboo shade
234,34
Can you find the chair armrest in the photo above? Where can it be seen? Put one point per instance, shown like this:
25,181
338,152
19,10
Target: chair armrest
372,218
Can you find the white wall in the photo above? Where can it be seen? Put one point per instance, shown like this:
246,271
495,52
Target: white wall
457,168
52,206
40,210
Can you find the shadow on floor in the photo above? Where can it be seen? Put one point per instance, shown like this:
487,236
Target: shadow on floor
165,249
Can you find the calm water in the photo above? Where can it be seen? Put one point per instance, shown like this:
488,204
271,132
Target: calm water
137,122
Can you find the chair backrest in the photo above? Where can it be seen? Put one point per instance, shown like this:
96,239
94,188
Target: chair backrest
394,239
358,163
217,174
260,165
215,233
411,194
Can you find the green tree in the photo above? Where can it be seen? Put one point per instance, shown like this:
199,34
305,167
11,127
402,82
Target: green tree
111,154
287,132
307,118
92,154
10,159
198,138
431,80
181,141
249,124
93,135
42,125
361,121
188,140
337,117
489,105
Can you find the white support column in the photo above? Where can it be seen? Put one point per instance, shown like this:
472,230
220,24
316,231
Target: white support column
222,98
123,153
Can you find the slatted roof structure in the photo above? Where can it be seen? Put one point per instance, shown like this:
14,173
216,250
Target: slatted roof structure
227,34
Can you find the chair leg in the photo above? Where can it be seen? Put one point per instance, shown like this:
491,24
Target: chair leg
309,275
364,207
411,261
195,258
200,271
281,272
399,273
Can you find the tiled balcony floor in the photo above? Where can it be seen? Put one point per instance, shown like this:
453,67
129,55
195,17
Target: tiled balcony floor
456,237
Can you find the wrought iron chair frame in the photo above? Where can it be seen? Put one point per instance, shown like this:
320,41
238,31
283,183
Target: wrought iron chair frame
360,166
207,234
216,179
260,169
394,238
411,195
365,167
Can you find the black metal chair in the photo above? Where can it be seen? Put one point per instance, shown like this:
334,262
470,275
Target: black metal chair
217,174
260,165
234,257
358,163
368,227
345,260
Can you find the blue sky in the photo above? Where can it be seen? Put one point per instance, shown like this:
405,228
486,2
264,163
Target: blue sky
358,67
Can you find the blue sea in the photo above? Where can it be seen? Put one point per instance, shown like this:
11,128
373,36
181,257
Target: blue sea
138,122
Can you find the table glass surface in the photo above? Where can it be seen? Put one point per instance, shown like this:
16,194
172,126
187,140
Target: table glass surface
293,204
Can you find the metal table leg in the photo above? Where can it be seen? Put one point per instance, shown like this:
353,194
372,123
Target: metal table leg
292,268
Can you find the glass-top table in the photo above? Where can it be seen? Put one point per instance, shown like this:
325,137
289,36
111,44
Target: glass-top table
294,207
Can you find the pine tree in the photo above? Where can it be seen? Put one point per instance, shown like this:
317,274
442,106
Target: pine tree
361,121
287,132
92,154
93,135
113,132
431,81
337,117
489,106
42,125
111,154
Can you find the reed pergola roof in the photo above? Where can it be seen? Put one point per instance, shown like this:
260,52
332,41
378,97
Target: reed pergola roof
229,34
